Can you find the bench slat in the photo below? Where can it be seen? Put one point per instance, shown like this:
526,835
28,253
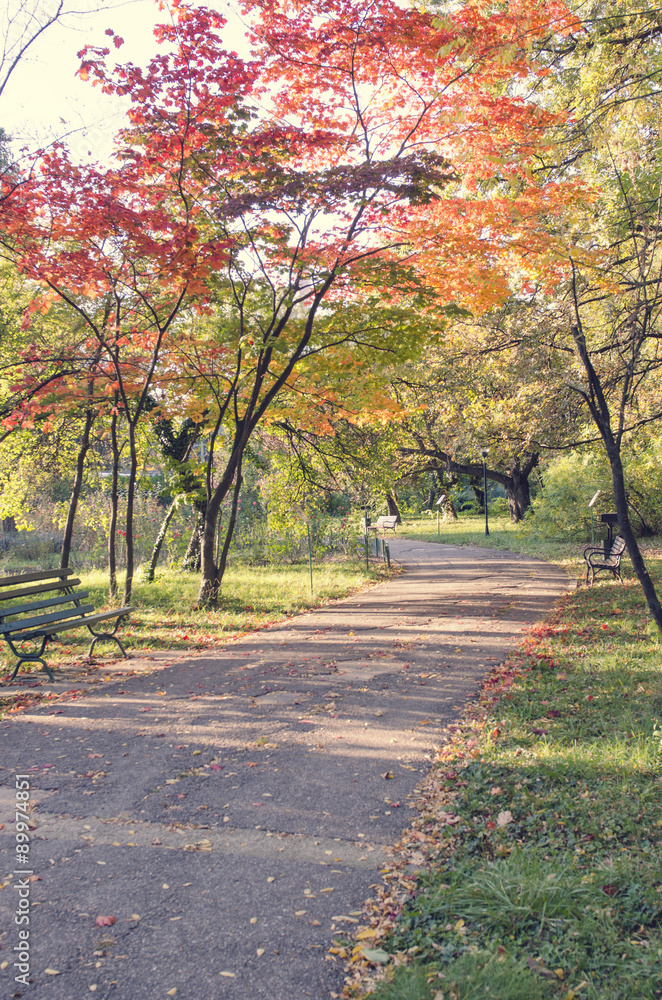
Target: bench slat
89,620
30,623
8,581
21,592
51,602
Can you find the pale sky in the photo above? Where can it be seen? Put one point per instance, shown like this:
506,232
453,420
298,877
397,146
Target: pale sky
45,100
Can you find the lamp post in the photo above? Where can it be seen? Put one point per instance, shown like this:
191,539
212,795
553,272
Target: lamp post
485,452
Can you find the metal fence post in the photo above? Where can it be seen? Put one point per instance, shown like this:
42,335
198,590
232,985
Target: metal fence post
310,559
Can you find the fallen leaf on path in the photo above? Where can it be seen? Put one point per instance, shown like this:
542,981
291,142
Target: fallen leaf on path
387,774
105,921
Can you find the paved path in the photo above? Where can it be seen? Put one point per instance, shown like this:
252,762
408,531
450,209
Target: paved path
229,809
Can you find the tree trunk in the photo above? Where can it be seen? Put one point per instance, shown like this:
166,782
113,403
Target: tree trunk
625,526
212,575
393,509
75,492
514,480
477,486
220,573
130,498
191,561
114,504
158,544
211,581
517,489
599,410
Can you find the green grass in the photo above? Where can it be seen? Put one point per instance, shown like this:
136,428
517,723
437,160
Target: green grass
252,598
549,885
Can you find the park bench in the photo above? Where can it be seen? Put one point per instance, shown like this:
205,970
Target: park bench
384,523
596,560
62,608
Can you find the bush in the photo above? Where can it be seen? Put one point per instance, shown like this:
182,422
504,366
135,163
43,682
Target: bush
560,510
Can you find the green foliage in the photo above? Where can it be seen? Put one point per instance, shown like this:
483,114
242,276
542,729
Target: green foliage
560,510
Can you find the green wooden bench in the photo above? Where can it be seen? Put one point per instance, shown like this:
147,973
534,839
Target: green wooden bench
63,609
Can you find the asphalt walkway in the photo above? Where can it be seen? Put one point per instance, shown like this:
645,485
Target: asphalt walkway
230,809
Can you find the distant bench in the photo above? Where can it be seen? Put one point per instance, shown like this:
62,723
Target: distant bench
64,610
384,524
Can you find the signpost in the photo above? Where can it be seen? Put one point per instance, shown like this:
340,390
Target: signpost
591,503
484,453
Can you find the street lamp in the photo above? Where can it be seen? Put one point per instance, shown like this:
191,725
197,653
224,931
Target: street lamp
485,452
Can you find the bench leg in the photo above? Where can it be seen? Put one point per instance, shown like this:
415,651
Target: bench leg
103,636
36,657
31,659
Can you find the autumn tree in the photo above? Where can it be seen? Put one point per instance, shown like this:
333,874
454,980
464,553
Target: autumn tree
119,245
490,384
377,153
604,77
361,169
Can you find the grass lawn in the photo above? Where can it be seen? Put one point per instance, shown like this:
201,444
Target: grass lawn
253,597
539,827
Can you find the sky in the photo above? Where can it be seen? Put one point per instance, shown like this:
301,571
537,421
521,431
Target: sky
44,99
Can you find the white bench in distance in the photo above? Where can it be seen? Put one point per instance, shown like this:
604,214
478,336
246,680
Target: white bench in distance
384,524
